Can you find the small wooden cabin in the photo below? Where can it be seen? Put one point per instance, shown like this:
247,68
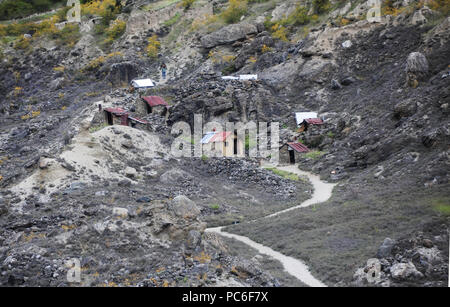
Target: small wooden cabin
225,142
155,104
116,116
291,152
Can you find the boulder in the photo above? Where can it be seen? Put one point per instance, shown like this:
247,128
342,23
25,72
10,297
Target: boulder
3,209
405,271
184,207
335,85
430,255
417,66
228,35
56,84
405,109
121,212
347,44
347,81
282,11
44,163
418,18
122,73
385,249
173,175
130,172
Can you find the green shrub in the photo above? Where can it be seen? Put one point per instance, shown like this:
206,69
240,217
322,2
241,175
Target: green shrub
442,6
153,46
11,9
315,154
187,4
321,6
280,32
173,20
284,174
69,35
299,16
235,10
441,205
249,142
215,206
116,29
62,14
23,44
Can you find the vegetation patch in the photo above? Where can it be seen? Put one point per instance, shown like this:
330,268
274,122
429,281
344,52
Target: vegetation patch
160,5
170,22
314,154
235,10
115,30
441,205
321,6
12,9
187,4
153,46
68,36
284,174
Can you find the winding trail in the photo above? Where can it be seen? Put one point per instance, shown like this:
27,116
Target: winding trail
322,192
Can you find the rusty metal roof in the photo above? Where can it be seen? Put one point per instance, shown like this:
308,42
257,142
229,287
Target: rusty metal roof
301,116
115,111
298,147
314,121
154,101
212,137
220,136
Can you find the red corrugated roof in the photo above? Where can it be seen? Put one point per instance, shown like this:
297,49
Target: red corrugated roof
116,111
154,101
314,121
220,137
298,147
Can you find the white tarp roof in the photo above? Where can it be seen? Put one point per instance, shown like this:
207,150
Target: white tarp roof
207,137
241,77
248,77
142,83
230,78
301,116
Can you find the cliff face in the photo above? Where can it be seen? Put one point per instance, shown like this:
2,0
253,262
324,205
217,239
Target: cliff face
383,89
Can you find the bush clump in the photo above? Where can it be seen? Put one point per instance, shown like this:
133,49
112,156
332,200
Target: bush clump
299,16
235,10
115,30
153,46
12,9
321,6
442,6
280,32
187,4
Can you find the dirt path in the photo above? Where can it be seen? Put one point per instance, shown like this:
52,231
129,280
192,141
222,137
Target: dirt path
295,267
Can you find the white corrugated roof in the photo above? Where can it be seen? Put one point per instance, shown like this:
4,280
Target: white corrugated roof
142,83
301,116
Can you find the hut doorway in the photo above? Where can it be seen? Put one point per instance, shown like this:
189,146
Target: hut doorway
109,118
291,156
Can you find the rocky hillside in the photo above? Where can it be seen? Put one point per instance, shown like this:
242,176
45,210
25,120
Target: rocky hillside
115,197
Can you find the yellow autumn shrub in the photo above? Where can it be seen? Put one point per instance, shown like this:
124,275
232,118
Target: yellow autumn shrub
153,46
